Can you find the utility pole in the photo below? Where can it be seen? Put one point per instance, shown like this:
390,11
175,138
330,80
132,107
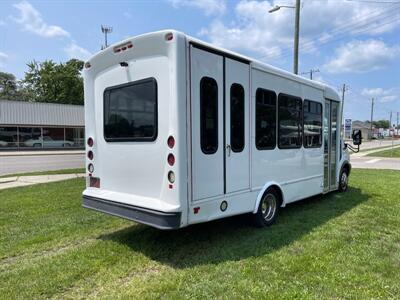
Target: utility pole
344,89
390,122
372,114
311,72
106,30
397,126
296,38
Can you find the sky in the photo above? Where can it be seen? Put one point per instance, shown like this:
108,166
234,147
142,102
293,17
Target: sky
352,42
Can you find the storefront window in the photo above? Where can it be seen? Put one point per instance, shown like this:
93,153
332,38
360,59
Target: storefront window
30,137
8,137
75,136
54,138
38,137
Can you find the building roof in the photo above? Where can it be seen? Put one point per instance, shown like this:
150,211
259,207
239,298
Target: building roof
37,113
361,125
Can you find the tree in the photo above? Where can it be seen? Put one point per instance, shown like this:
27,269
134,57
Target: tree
8,86
55,83
381,124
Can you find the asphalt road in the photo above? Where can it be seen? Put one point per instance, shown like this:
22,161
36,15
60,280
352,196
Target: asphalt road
34,163
369,162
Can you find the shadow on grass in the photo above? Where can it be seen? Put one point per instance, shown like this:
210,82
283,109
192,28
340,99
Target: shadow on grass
234,238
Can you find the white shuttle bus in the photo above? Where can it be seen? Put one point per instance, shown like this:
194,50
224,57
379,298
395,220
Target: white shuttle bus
181,132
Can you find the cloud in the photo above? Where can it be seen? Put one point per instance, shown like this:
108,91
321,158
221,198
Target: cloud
209,7
3,58
382,95
31,20
127,15
362,56
75,51
2,23
270,35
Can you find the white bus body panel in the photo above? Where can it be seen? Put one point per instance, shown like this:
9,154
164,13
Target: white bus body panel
133,175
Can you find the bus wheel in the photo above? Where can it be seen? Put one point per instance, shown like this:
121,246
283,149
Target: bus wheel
344,180
267,209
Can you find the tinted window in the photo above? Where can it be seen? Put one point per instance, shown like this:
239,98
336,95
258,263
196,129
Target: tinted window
312,120
237,117
8,137
290,123
130,111
208,115
265,119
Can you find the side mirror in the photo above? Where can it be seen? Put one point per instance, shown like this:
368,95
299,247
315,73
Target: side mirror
357,137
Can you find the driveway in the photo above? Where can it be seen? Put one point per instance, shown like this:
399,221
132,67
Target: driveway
34,163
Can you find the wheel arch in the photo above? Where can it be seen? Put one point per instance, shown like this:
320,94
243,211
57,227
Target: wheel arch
270,184
345,165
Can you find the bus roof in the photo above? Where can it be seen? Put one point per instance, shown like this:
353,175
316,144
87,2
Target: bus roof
329,92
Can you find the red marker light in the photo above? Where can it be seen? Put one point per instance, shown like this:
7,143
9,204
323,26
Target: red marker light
169,36
171,142
90,142
171,159
90,155
196,210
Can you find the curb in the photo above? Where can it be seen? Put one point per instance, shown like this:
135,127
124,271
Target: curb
41,153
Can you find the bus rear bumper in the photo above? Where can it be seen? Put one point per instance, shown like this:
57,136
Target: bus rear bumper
154,218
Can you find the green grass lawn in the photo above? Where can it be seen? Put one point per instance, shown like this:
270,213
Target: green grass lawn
333,246
53,172
387,153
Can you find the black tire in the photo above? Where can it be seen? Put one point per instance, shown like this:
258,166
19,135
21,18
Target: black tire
37,145
343,180
267,209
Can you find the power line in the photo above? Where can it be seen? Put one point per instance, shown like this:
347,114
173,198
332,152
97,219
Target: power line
344,35
341,31
311,72
370,17
372,1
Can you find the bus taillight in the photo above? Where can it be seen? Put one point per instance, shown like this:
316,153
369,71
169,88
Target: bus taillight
171,141
171,159
90,142
90,155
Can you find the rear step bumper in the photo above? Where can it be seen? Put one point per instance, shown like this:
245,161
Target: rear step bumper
158,219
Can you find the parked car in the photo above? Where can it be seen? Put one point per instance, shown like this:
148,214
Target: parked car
47,142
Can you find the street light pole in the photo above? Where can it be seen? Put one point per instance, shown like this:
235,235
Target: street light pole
296,32
296,38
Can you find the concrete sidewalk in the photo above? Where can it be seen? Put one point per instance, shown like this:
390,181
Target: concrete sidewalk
364,153
38,153
17,181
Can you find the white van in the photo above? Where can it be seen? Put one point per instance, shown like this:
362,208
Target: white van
182,132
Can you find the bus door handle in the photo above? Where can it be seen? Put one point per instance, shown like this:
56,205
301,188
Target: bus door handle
228,149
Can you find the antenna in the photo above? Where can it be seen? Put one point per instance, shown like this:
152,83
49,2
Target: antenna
106,30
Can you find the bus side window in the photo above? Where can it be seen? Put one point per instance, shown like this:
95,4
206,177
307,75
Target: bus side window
237,117
312,119
208,115
265,119
290,121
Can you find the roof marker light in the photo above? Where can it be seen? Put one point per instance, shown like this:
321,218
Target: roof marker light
123,47
169,36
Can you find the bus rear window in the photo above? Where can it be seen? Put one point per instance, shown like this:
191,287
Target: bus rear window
130,111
